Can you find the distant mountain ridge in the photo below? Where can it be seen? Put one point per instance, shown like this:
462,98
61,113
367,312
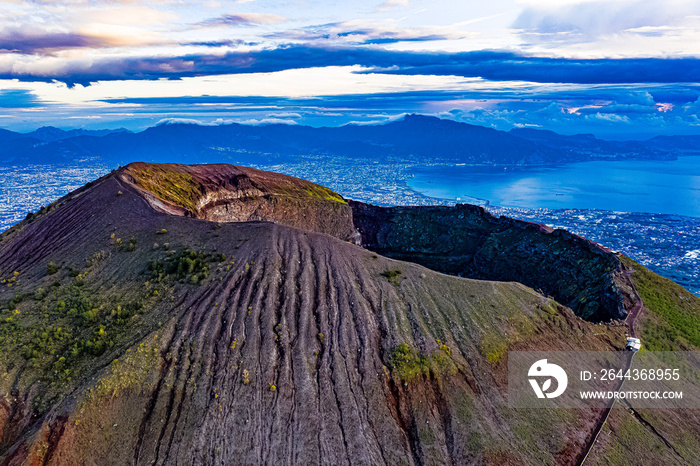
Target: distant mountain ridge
52,134
415,138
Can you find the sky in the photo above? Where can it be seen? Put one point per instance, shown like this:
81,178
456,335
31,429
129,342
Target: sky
620,69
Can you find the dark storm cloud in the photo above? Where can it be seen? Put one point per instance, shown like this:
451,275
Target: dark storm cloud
495,66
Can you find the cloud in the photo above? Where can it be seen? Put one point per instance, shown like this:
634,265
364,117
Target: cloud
267,121
495,66
381,120
370,32
180,121
609,117
607,120
30,41
677,95
239,19
215,43
20,42
511,67
389,4
569,95
557,24
18,98
282,118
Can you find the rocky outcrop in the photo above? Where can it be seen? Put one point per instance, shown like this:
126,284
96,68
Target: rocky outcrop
468,241
229,193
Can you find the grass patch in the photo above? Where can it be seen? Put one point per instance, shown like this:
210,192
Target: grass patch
494,347
168,184
391,274
324,193
174,185
407,364
128,373
677,311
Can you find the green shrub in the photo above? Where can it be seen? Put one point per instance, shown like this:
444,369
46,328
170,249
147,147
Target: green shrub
15,300
90,316
391,274
51,268
39,294
407,363
187,265
95,258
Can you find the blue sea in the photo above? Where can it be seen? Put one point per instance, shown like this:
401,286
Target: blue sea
667,187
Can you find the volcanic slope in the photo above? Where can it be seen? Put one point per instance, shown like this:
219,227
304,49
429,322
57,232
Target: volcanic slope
670,321
131,335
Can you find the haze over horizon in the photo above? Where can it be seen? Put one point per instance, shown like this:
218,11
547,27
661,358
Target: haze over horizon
624,69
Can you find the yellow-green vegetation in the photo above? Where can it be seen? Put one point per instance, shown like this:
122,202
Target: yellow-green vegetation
186,265
95,258
675,322
246,377
31,216
130,372
324,193
540,432
444,348
51,268
516,326
391,274
494,347
173,184
59,329
321,336
407,364
11,280
632,440
169,184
